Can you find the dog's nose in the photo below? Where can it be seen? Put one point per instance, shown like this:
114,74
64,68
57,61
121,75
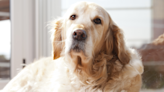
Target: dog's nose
79,35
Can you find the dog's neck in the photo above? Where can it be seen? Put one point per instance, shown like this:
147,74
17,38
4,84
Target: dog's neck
98,70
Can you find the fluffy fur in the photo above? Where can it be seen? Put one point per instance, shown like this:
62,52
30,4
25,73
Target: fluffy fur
102,64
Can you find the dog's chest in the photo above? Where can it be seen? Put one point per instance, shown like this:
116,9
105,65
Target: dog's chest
60,80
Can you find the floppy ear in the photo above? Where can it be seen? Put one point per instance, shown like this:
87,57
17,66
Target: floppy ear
116,44
57,43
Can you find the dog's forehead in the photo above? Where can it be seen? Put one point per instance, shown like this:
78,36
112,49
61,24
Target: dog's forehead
89,8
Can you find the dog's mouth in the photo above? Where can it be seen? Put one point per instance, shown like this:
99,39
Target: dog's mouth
77,46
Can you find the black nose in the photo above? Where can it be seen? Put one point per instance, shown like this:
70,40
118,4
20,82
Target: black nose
79,35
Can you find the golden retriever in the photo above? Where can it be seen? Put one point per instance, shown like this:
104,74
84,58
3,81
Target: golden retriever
89,55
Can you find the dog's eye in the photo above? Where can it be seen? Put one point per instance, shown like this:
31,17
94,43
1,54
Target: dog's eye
97,21
73,17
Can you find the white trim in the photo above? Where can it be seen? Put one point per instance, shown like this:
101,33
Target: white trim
16,35
6,14
151,16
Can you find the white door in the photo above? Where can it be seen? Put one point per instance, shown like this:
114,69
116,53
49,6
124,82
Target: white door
29,33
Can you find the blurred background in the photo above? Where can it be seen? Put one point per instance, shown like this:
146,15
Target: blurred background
24,35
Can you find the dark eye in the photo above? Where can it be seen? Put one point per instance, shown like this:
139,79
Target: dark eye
97,21
73,17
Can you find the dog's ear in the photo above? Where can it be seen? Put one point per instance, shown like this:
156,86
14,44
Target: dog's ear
57,43
115,43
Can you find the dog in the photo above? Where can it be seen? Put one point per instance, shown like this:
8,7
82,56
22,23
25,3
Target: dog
89,55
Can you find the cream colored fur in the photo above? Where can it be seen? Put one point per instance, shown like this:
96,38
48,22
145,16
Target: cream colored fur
105,64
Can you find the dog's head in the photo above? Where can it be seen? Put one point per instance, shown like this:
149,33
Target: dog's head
85,32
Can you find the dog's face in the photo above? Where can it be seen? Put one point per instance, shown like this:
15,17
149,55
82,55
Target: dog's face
84,32
85,28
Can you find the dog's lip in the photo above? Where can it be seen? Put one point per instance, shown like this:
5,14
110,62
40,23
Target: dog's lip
79,53
76,48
